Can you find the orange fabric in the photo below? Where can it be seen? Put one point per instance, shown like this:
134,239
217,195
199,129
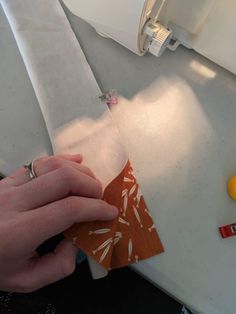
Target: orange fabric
130,238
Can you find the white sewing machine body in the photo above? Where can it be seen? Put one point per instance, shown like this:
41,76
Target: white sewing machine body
207,26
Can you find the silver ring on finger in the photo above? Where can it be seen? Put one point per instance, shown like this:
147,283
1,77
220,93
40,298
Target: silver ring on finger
30,169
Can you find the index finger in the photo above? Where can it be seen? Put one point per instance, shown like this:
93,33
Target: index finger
54,218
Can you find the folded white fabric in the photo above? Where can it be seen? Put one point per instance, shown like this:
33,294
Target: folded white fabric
68,94
77,121
64,84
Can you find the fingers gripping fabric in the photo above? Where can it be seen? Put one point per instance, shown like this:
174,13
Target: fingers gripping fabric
129,239
78,122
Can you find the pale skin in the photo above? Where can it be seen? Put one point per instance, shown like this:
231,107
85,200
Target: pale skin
32,211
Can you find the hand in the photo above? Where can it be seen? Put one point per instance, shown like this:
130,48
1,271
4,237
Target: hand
32,211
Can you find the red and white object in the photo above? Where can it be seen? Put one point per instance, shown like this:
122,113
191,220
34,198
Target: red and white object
228,231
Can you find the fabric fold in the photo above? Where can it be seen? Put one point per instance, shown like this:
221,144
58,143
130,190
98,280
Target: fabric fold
127,240
78,122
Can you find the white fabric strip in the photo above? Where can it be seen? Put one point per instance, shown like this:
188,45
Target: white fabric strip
65,86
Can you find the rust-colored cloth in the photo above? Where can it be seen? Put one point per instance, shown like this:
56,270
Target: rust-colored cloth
130,238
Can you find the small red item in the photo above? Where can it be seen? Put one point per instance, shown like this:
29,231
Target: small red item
228,231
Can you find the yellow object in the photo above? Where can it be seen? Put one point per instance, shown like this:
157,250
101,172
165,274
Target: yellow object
231,187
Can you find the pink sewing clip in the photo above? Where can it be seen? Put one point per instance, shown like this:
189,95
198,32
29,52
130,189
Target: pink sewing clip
110,97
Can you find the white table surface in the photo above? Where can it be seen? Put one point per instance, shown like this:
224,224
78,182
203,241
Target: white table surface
183,110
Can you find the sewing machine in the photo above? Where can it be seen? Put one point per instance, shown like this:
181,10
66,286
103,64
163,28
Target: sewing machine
177,121
207,26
